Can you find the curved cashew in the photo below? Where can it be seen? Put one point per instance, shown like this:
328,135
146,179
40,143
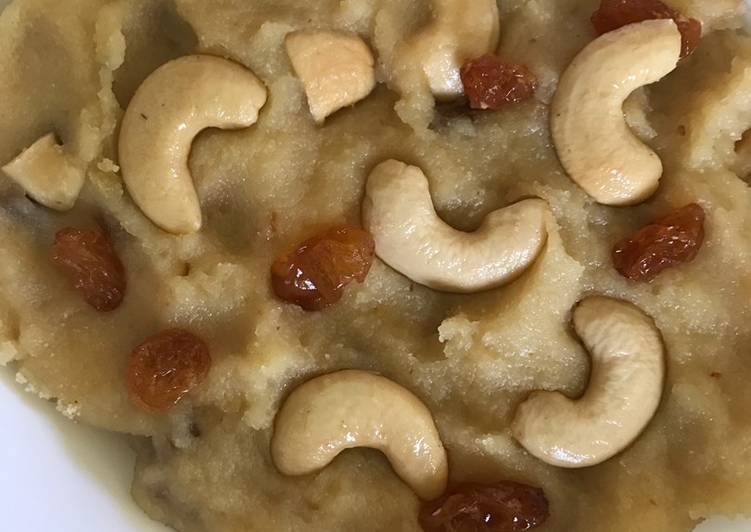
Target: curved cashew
349,409
48,174
460,30
594,144
336,69
170,108
410,237
625,387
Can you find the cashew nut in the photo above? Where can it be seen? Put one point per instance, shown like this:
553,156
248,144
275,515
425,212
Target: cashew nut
170,108
625,387
48,174
460,30
352,408
412,239
336,69
593,141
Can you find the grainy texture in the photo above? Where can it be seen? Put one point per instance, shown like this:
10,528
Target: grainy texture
72,66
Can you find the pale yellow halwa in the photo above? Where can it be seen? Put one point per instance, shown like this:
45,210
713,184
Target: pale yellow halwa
72,66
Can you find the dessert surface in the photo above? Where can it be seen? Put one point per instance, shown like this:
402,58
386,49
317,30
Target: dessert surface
457,341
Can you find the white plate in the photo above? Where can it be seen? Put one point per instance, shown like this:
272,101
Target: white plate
58,476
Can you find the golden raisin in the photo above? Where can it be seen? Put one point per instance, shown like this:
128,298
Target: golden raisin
501,507
666,242
165,367
314,275
614,14
90,260
490,83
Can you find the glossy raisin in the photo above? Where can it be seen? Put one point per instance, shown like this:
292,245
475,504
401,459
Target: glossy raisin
314,275
669,241
91,261
165,367
500,507
491,83
614,14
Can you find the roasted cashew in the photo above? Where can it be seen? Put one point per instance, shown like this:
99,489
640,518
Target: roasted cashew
170,108
625,387
352,408
336,69
594,144
459,30
48,174
412,239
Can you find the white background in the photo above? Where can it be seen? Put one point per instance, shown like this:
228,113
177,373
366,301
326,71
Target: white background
58,476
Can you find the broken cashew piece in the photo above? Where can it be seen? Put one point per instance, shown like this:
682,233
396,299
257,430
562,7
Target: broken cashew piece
175,103
596,147
460,30
336,69
47,174
411,238
625,387
352,408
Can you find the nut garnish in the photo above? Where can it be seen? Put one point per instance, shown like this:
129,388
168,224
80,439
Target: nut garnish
176,102
596,147
352,408
625,387
412,239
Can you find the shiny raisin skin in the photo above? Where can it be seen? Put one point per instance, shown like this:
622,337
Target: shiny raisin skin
165,367
614,14
669,241
501,507
491,83
314,275
90,259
